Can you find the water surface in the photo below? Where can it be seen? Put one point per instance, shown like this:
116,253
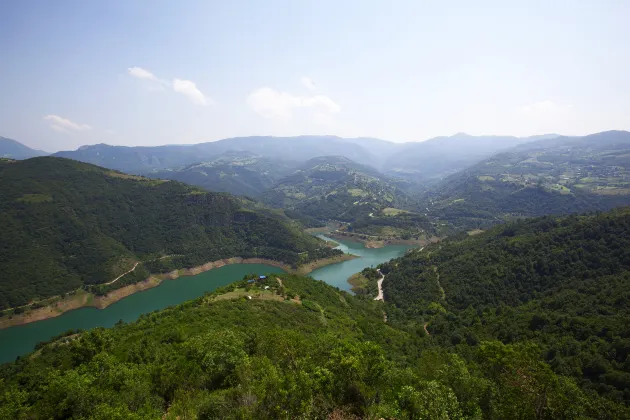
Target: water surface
22,339
16,341
337,274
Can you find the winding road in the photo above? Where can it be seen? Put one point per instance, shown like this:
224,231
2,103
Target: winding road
380,286
123,274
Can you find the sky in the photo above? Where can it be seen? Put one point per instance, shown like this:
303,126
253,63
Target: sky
166,72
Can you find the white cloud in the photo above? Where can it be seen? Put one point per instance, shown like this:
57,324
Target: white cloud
149,80
185,87
141,73
308,83
190,90
273,104
64,125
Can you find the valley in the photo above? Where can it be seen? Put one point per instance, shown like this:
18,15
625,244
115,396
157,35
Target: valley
314,210
415,271
158,291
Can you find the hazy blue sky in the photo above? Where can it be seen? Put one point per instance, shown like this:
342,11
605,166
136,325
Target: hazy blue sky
154,72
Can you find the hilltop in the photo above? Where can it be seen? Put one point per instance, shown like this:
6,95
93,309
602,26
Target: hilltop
335,187
12,149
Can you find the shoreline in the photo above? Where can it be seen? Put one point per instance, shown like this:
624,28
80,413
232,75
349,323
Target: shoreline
83,299
370,243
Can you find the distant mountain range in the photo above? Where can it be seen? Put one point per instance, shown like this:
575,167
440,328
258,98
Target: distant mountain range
551,176
442,156
423,161
240,173
12,149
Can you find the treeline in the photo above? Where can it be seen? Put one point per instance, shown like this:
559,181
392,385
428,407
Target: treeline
67,225
562,283
328,355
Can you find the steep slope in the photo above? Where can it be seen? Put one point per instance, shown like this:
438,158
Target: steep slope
12,149
67,225
562,283
299,349
335,187
141,160
553,176
240,173
430,160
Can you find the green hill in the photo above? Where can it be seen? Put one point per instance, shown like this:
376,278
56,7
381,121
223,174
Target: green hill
551,176
300,349
561,283
336,188
67,225
239,173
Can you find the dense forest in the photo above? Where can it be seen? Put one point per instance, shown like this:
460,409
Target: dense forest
67,225
298,349
560,283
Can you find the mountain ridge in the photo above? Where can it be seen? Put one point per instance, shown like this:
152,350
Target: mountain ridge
13,149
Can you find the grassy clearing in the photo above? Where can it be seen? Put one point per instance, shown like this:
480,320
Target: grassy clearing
474,232
391,211
560,188
589,180
148,181
486,178
255,294
35,198
356,192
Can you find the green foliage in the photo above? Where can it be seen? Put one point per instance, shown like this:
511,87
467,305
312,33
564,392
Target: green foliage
238,358
336,188
94,224
240,173
562,283
403,225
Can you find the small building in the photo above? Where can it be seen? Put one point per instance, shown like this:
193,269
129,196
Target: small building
251,281
262,277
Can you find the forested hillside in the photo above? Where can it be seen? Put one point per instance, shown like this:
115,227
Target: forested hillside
551,176
299,349
240,173
334,187
67,225
561,283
